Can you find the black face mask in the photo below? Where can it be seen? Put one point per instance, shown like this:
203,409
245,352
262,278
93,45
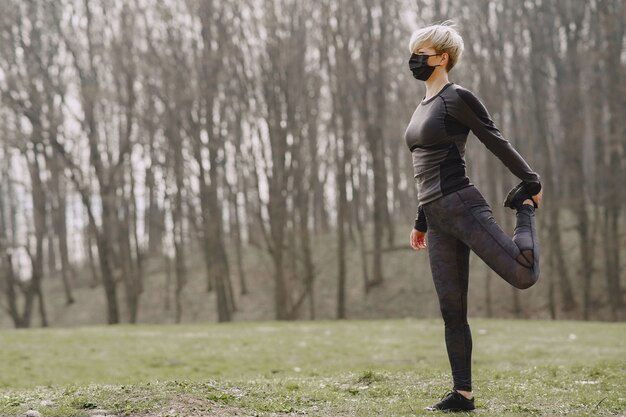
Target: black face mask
419,66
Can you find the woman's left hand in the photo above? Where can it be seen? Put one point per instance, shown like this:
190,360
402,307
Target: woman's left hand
418,239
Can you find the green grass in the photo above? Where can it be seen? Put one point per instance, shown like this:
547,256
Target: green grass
325,368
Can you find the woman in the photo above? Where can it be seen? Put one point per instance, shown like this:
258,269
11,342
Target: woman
451,209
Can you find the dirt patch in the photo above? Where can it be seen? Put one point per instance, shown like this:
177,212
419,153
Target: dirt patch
186,405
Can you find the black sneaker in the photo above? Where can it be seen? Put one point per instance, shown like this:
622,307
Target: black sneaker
452,402
522,191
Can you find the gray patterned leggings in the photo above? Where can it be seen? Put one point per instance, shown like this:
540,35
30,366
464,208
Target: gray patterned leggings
461,221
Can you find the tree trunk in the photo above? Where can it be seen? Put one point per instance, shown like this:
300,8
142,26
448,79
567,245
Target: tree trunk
39,217
613,16
59,223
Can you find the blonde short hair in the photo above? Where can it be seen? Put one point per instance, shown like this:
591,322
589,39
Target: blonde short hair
443,38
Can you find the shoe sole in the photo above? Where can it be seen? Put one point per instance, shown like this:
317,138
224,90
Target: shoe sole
451,410
521,187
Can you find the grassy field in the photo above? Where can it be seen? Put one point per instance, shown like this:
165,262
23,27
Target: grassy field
325,368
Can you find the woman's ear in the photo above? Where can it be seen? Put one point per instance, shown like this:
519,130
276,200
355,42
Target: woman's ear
445,57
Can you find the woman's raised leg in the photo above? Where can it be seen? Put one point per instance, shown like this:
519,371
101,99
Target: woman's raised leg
470,219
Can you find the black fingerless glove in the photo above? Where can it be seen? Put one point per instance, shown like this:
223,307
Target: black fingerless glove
420,221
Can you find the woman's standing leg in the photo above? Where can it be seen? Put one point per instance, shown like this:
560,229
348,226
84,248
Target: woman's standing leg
449,263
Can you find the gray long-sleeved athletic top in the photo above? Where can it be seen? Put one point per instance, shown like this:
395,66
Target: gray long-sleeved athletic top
436,136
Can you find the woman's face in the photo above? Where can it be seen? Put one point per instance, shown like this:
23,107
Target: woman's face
425,61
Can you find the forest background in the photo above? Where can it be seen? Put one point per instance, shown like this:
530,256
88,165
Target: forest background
176,161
